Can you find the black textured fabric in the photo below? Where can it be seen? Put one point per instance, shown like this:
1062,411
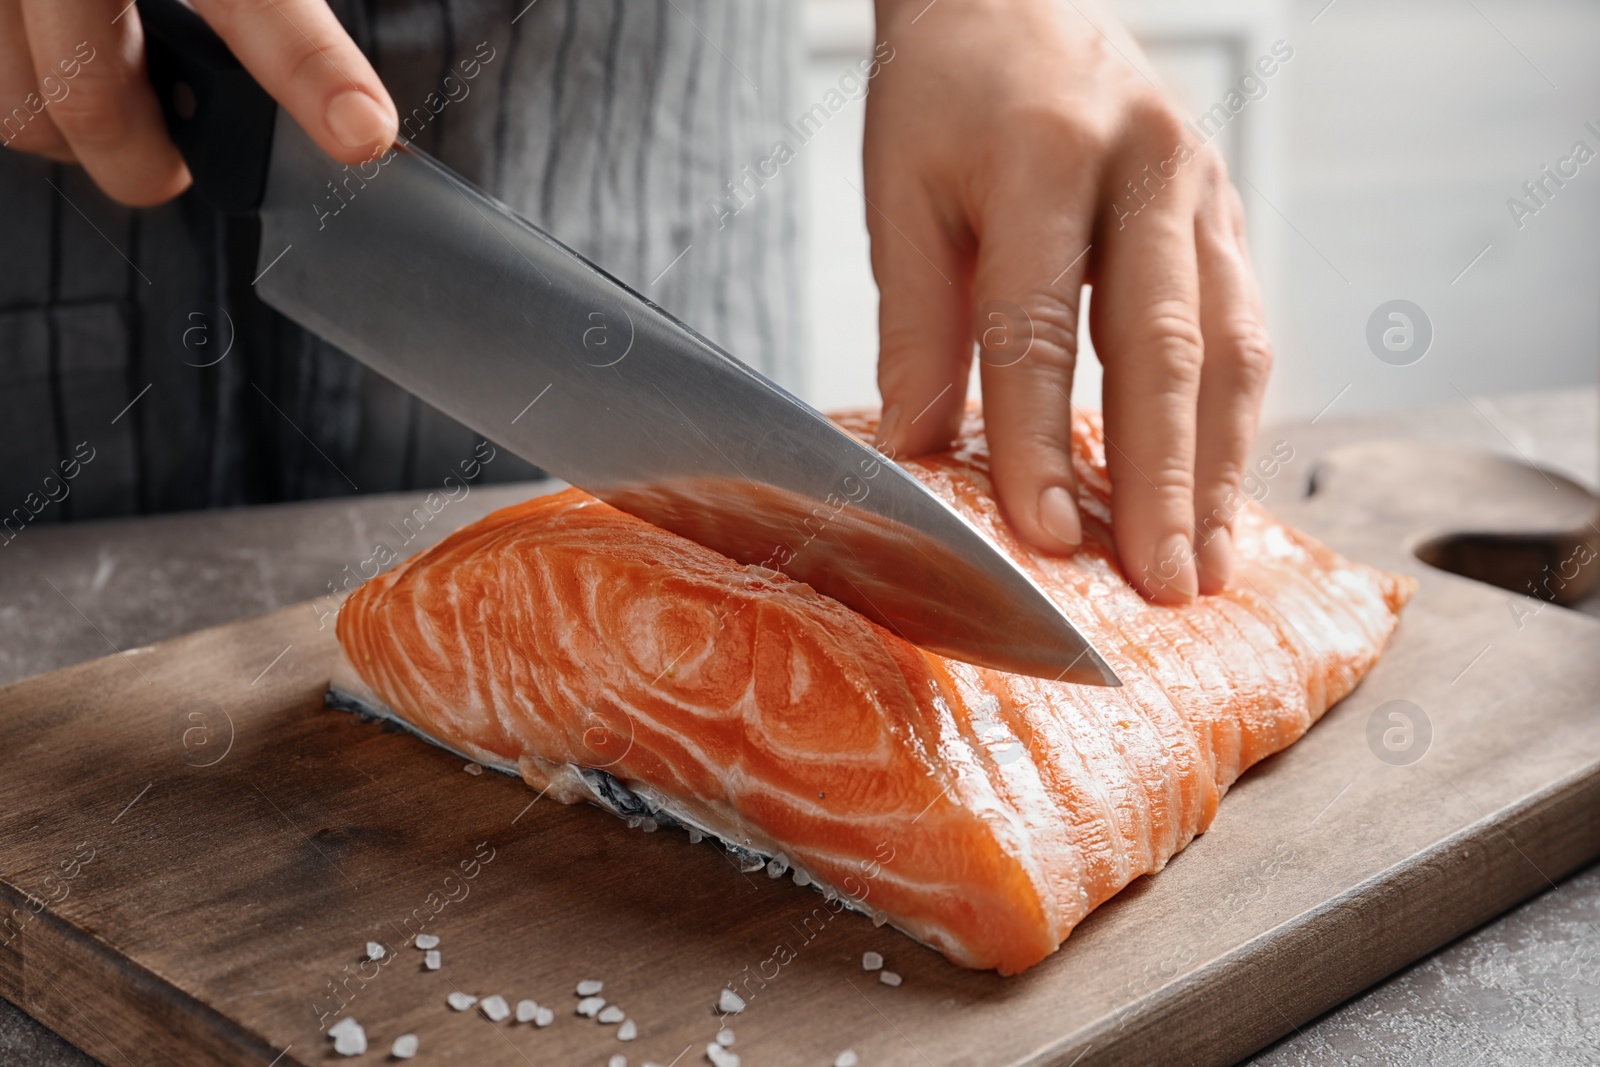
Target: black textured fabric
616,125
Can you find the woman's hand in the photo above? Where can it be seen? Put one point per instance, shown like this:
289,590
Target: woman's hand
1014,150
73,86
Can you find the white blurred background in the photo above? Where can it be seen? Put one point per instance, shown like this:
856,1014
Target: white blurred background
1376,167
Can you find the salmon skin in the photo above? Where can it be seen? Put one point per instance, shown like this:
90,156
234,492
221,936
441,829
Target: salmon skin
606,660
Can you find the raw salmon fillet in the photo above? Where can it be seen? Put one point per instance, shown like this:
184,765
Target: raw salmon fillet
981,812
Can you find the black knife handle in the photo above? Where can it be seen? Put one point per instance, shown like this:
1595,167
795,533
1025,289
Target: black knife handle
217,115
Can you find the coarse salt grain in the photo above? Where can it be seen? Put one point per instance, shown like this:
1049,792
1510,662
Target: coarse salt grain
847,1058
495,1008
473,768
879,918
801,877
729,1002
590,986
721,1057
431,959
695,836
591,1006
649,826
611,1014
889,978
544,1017
871,961
426,941
404,1047
351,1040
628,1030
375,950
461,1001
777,865
343,1026
526,1010
725,1037
619,1060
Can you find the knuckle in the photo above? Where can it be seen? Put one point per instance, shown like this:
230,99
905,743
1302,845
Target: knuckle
1059,132
1247,350
1052,325
1171,332
1055,332
1158,121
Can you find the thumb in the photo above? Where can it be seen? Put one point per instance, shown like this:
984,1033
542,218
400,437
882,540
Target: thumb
924,338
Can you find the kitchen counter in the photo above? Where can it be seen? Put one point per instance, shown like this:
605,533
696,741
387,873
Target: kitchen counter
1522,989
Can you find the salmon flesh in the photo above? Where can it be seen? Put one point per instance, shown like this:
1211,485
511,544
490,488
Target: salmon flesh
606,660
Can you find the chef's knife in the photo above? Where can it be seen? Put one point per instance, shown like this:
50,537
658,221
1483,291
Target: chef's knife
437,286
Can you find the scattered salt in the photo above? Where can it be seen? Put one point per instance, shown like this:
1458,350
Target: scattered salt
729,1002
871,961
526,1010
460,1001
590,986
473,768
343,1026
634,821
777,865
611,1014
879,918
495,1008
725,1037
801,877
426,941
591,1006
431,959
351,1040
649,826
847,1058
375,950
889,978
544,1017
619,1060
695,836
721,1057
628,1030
404,1047
751,863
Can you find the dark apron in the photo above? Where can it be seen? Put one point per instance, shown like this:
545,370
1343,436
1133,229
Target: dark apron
139,374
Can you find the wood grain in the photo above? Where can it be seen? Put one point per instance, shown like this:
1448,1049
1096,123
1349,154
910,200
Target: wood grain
238,871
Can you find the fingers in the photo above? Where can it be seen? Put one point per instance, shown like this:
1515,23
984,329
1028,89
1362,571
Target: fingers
301,55
106,111
1238,358
1146,324
1026,294
25,123
924,337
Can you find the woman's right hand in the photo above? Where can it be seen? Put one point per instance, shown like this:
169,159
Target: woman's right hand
73,86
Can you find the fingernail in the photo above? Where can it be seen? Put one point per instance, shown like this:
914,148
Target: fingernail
357,120
1059,516
1171,575
1216,561
886,428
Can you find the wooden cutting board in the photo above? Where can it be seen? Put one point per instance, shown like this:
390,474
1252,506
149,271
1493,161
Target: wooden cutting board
194,853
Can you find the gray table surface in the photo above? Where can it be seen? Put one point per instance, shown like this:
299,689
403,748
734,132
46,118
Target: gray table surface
1524,989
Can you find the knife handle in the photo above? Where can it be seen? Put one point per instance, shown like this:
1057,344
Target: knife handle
217,115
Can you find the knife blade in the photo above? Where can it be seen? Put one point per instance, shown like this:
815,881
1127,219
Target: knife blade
449,293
